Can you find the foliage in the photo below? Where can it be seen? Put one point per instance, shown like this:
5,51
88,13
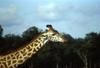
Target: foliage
1,31
30,34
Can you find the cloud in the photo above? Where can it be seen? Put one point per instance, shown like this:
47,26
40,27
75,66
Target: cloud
49,12
82,12
87,7
8,15
68,11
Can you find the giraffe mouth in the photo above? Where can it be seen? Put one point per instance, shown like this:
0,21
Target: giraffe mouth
64,41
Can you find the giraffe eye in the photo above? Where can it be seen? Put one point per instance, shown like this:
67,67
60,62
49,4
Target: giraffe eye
53,34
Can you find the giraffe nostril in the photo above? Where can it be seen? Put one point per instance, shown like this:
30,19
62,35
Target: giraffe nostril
65,41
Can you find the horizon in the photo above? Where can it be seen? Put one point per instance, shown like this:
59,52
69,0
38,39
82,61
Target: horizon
76,18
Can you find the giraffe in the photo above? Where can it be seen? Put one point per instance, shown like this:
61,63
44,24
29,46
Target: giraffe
14,59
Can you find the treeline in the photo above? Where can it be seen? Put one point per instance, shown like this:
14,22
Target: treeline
76,53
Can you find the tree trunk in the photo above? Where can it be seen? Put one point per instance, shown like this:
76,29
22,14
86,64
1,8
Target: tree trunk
90,64
85,62
31,65
66,66
70,65
94,65
57,66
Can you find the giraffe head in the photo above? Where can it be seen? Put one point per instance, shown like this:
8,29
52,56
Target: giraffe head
53,35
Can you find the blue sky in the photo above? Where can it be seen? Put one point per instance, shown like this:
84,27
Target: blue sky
74,17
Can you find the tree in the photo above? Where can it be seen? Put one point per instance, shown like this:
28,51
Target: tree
84,46
1,38
82,52
67,53
94,51
30,33
1,31
11,42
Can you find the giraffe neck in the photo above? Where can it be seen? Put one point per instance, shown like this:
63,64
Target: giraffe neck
20,56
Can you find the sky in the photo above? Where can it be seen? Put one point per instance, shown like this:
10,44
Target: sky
74,17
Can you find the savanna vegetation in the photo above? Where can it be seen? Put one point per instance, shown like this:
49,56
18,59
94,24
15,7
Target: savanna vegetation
76,53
